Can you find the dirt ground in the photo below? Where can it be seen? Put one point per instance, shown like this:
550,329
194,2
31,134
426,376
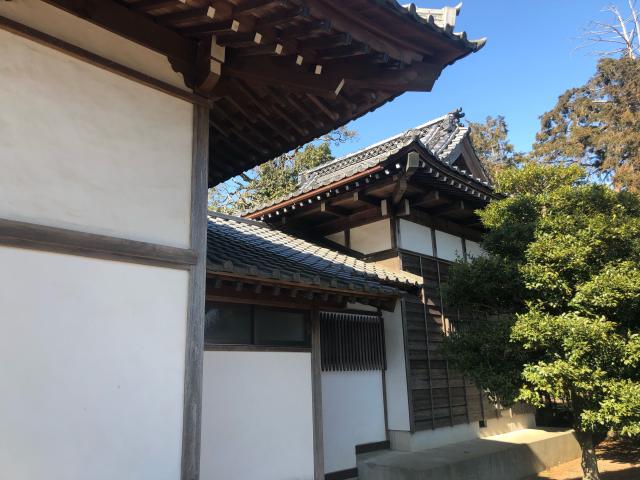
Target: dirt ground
616,461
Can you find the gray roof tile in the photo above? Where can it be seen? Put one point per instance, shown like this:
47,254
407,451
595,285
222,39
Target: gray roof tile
442,137
254,249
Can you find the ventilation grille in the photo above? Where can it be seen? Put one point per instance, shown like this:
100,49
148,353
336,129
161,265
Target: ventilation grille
351,342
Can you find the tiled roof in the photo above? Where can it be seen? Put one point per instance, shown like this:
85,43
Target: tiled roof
253,249
442,137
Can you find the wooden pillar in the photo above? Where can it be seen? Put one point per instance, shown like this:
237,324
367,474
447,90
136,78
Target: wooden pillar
316,389
196,305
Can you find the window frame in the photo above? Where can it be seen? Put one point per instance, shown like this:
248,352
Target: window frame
253,347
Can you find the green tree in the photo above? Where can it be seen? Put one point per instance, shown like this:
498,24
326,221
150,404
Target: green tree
597,125
275,178
557,301
491,142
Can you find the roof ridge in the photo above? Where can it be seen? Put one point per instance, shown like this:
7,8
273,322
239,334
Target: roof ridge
440,137
381,142
310,253
249,221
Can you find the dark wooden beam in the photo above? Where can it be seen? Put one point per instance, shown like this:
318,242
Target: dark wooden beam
360,196
136,27
209,28
343,52
326,207
263,71
327,41
200,13
430,199
333,116
357,218
71,242
194,354
316,396
413,162
454,208
147,5
248,6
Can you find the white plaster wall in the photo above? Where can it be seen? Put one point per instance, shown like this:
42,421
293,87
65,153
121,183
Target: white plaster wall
86,149
91,368
415,237
337,237
65,26
352,414
449,247
396,373
372,237
256,416
474,249
508,422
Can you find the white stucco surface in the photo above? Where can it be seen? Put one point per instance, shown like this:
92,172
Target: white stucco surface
415,237
448,247
396,373
65,26
337,237
89,150
474,249
352,414
257,416
91,368
372,237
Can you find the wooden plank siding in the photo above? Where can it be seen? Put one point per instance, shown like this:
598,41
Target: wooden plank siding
440,396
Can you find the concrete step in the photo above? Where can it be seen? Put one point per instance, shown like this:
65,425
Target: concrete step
510,456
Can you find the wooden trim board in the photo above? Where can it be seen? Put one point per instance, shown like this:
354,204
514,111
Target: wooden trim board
72,242
316,392
373,447
254,348
348,474
197,291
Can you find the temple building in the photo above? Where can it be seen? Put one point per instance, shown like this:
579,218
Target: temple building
407,204
115,118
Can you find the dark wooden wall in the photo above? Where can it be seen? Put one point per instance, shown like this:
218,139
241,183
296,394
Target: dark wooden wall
438,395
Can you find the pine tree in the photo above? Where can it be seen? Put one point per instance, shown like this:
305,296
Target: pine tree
597,125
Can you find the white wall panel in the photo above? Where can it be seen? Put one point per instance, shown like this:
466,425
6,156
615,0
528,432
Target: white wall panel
337,237
256,416
352,414
474,249
66,26
449,247
372,237
86,149
91,368
415,237
396,374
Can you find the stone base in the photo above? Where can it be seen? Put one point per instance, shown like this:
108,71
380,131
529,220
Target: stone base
508,421
509,456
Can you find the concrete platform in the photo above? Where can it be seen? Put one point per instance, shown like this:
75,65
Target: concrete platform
510,456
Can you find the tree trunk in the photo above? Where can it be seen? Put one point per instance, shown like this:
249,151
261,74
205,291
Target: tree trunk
589,461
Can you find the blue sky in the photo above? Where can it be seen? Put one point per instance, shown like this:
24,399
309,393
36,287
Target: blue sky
531,57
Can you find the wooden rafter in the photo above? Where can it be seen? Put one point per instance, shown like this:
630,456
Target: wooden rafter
136,27
265,72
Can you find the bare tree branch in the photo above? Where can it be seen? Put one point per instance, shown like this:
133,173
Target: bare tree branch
620,30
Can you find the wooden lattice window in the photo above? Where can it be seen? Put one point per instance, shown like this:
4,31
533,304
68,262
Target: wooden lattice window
351,342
